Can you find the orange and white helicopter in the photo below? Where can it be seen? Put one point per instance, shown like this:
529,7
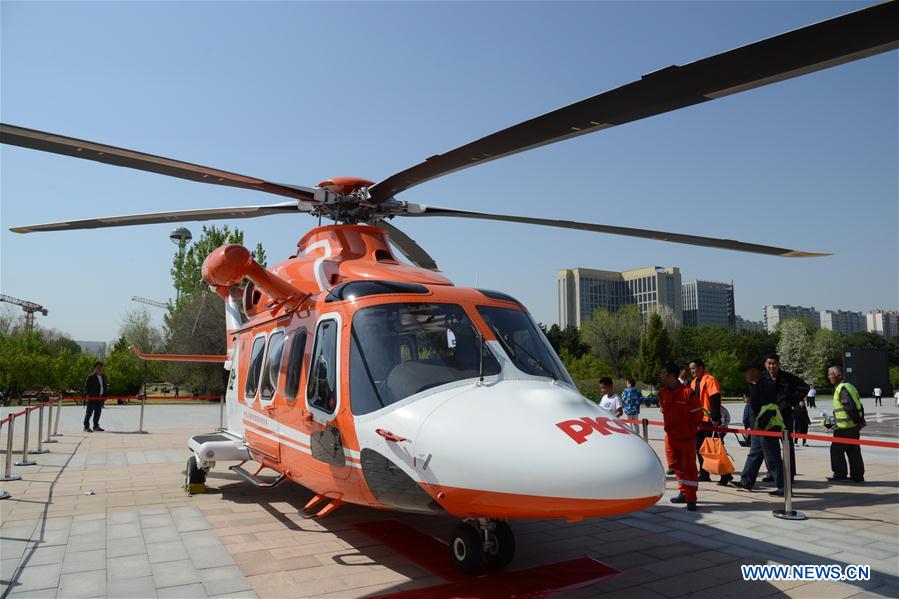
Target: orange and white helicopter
375,382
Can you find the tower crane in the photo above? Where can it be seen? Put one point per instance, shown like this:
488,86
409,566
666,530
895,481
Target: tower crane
149,302
29,307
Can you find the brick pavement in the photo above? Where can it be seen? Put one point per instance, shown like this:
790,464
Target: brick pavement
138,535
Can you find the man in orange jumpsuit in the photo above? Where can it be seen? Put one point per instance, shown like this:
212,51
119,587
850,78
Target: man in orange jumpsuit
707,389
682,413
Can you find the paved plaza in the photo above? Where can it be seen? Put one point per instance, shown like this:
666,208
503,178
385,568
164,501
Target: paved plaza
104,515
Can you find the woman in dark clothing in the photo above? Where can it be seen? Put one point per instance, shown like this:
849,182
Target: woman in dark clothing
801,420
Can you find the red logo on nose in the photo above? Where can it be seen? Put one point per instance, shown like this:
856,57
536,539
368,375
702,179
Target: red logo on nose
579,430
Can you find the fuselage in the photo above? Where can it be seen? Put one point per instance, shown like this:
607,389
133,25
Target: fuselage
390,387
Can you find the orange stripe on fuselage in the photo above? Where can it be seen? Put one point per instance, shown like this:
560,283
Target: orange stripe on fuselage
469,503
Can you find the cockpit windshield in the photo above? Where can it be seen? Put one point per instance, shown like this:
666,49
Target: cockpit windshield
524,342
398,350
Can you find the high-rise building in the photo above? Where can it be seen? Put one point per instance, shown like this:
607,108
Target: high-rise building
884,322
773,314
582,291
747,325
842,321
708,302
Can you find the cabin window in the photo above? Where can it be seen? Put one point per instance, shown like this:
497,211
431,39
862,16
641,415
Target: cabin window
255,368
272,366
354,290
524,343
398,350
295,364
321,388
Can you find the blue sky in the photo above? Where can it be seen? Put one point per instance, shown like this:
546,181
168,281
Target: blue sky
300,92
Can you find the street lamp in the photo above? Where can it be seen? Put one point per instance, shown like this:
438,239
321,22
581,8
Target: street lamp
180,236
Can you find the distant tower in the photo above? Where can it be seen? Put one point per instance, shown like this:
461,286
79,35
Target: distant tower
180,236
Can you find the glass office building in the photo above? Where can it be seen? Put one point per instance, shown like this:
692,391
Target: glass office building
582,291
708,302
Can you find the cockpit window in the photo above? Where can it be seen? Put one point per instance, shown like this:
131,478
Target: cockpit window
524,342
398,350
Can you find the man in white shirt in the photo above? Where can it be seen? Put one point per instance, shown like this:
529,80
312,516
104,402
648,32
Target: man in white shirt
897,397
878,396
610,400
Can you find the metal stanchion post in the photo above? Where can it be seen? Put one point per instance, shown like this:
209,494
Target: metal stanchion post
25,461
7,469
48,438
222,413
788,513
646,430
56,432
143,402
40,431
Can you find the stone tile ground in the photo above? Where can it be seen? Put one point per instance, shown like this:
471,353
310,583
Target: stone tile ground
137,535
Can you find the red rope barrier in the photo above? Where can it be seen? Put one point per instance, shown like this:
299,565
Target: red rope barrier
758,433
137,397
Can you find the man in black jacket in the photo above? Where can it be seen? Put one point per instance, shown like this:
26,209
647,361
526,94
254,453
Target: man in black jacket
762,449
790,391
94,387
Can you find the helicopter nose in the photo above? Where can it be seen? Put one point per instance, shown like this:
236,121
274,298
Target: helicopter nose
516,450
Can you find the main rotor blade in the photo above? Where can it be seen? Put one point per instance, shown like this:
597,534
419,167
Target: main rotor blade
408,246
839,40
88,150
163,217
727,244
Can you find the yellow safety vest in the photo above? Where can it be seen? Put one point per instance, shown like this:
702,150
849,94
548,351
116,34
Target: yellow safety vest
839,412
769,418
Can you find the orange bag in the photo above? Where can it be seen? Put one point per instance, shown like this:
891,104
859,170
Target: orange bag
714,457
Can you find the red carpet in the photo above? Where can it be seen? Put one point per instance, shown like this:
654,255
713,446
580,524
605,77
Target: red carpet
431,554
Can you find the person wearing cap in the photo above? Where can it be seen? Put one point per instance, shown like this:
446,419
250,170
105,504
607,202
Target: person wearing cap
849,417
681,413
764,415
790,391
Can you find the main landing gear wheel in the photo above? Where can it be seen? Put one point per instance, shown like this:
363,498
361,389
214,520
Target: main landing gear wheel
474,542
467,548
194,477
500,546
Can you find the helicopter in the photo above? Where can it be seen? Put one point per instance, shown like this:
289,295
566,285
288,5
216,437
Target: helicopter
378,382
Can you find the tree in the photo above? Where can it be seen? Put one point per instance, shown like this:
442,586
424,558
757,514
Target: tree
725,366
826,350
125,371
655,350
567,340
753,346
260,256
137,330
794,347
197,326
614,337
585,367
866,340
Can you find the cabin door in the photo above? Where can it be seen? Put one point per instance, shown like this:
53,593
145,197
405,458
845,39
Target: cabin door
323,395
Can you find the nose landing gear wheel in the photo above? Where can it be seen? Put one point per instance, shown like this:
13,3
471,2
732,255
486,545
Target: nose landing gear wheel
500,545
467,548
